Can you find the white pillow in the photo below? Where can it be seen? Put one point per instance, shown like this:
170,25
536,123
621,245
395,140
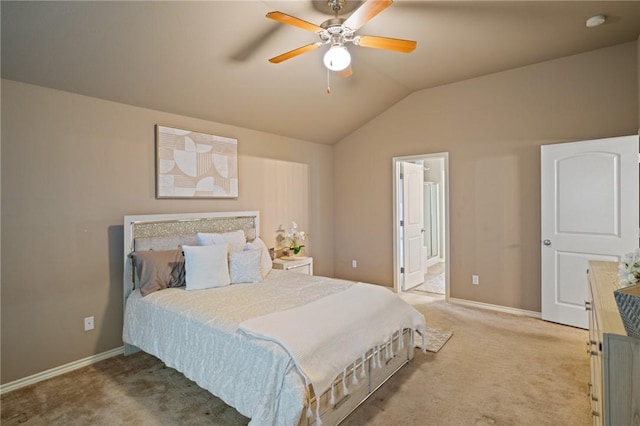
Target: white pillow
250,234
265,259
244,266
206,266
235,239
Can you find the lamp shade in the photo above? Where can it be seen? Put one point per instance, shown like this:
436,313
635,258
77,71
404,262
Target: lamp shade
337,58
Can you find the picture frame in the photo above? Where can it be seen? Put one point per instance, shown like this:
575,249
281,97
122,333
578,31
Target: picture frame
191,164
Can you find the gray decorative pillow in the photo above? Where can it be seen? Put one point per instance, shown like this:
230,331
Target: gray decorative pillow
244,266
157,270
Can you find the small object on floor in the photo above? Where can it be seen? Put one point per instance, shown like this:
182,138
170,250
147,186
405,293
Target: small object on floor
435,339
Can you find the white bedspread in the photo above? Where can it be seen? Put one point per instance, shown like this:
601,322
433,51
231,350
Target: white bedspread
195,333
354,320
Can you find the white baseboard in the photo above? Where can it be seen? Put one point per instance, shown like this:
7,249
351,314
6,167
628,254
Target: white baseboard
498,308
17,384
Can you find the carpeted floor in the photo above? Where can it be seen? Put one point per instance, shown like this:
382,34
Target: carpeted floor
497,369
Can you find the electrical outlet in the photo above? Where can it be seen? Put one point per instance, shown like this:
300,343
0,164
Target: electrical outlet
475,279
88,323
354,263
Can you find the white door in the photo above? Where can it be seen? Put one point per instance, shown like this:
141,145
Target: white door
589,212
412,225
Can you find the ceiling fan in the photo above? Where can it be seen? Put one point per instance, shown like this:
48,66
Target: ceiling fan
338,32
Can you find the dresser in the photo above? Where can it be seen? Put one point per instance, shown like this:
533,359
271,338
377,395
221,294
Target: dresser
303,266
614,390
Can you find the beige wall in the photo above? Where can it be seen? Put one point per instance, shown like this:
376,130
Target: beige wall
72,167
492,127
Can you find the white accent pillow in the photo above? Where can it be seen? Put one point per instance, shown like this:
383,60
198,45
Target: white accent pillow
235,239
265,259
206,266
244,266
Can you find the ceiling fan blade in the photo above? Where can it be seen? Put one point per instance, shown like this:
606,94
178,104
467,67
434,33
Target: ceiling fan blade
365,13
292,20
346,72
295,52
386,43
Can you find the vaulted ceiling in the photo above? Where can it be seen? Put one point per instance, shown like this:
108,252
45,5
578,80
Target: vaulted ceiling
208,59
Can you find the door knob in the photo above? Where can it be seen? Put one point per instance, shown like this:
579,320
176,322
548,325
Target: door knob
547,242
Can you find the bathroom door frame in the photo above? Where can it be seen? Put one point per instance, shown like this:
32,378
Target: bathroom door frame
397,243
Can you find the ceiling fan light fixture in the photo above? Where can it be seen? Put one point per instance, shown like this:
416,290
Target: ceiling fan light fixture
337,58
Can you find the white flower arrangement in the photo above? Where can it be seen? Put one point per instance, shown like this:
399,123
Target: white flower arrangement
629,269
293,239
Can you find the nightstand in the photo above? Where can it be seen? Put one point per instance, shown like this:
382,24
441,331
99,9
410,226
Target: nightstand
302,266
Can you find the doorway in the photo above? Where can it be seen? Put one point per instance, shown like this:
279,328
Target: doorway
434,211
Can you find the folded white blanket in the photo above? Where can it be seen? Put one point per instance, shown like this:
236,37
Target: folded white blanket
324,337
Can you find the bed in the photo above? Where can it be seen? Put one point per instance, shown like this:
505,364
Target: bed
264,346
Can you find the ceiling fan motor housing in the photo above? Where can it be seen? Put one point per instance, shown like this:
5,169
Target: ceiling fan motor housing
335,32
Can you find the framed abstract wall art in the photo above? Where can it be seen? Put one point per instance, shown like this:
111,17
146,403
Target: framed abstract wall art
195,165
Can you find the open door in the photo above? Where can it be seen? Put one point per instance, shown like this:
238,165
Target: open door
589,212
412,225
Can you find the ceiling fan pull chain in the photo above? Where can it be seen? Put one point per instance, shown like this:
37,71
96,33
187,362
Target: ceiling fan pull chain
328,82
